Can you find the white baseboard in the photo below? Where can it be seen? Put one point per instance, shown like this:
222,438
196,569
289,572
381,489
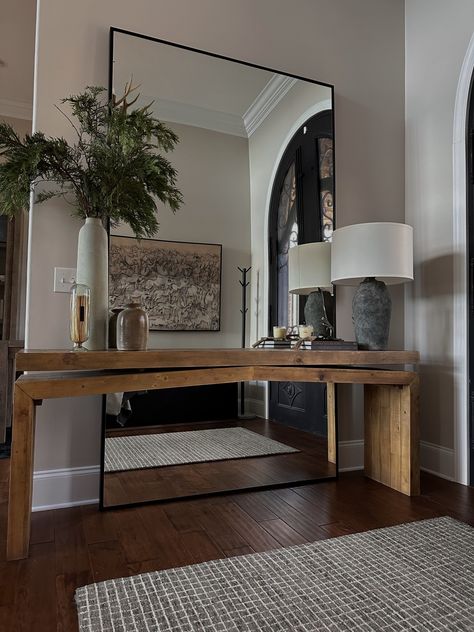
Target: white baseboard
351,455
434,459
437,460
56,489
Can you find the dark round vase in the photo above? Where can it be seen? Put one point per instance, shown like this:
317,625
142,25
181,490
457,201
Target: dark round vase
314,312
371,311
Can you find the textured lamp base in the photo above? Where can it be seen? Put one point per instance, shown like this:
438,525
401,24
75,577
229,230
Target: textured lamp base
316,311
371,311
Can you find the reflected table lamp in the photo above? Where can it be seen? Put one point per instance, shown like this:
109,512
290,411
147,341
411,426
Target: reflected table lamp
372,256
309,274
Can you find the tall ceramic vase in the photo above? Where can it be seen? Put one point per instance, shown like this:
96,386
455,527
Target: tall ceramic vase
92,270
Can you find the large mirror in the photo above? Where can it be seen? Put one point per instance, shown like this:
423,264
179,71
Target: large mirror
255,167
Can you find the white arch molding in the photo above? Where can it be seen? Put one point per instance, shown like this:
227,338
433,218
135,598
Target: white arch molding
327,104
460,297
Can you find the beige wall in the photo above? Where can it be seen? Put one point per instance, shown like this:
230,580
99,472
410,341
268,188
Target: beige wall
213,176
437,39
17,45
358,46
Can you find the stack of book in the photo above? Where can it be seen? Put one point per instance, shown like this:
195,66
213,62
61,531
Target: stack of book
268,343
313,345
329,345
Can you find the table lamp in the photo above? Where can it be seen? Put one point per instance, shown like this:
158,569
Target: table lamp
309,274
372,255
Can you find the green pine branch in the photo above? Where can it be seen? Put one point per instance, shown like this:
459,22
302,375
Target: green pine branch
113,171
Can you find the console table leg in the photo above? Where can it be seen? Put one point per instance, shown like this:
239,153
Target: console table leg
391,436
21,476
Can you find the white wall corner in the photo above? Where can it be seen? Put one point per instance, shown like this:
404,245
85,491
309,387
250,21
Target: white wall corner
255,406
56,489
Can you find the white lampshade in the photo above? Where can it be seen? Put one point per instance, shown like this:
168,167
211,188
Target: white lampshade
309,267
383,250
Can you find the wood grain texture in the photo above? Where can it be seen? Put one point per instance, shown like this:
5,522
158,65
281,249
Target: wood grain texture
391,436
72,384
61,360
229,365
21,480
331,420
8,351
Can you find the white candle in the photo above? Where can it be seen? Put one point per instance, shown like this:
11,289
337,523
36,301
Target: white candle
279,333
305,331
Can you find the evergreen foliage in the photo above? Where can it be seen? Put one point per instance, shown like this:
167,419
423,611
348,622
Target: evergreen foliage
113,171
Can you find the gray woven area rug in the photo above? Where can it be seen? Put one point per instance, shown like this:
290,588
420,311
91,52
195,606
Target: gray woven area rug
193,446
417,576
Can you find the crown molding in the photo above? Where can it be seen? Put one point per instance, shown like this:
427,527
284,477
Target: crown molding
177,112
266,101
16,109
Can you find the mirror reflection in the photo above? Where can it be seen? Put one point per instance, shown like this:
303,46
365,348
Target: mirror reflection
255,167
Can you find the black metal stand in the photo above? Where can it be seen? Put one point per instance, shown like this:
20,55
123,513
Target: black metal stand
244,283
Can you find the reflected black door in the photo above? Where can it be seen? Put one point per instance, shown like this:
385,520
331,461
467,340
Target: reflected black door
301,212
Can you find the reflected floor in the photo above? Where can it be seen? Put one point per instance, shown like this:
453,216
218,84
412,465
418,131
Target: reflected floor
195,479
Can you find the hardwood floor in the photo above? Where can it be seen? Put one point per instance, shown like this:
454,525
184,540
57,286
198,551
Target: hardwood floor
72,547
173,481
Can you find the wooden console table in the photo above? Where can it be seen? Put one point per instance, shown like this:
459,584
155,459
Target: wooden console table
391,401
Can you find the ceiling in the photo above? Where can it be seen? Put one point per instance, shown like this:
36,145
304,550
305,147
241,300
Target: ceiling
175,74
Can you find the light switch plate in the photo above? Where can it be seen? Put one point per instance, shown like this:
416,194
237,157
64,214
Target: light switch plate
63,279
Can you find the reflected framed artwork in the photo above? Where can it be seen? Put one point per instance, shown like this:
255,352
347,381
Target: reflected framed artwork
177,283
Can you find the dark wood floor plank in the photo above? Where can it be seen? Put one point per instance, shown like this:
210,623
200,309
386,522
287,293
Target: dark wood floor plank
302,522
256,537
66,585
98,526
284,534
42,527
200,547
70,544
254,507
8,581
222,534
137,543
107,560
244,550
37,594
35,599
167,541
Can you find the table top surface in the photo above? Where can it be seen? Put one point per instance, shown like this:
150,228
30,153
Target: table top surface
67,360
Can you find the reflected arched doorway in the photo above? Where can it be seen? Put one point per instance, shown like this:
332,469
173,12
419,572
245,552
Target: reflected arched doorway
301,211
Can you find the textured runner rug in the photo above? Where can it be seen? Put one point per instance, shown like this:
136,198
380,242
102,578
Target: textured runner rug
417,576
193,446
